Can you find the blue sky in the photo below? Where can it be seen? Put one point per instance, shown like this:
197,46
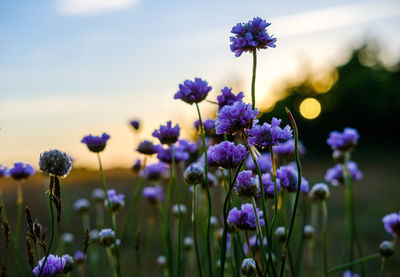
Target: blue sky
73,67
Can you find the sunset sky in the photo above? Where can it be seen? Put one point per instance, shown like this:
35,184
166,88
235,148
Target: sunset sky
73,67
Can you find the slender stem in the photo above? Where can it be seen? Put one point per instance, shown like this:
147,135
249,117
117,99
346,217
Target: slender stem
359,261
203,137
178,199
259,232
325,235
19,213
276,195
52,224
253,80
134,200
224,230
383,267
111,260
296,201
250,251
196,245
170,257
103,181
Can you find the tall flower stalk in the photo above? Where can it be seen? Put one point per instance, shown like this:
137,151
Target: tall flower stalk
196,244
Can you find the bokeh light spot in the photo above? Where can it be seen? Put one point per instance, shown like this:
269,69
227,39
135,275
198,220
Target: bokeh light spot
310,108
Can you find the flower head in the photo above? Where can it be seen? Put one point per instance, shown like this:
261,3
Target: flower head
135,124
285,150
187,146
164,154
55,163
69,263
227,155
343,141
155,171
98,195
234,118
146,147
348,273
209,126
227,98
251,36
67,238
176,208
249,267
334,175
269,190
21,171
193,91
245,219
79,257
288,177
264,162
4,172
391,223
96,144
167,134
82,206
153,194
246,185
52,268
267,135
117,200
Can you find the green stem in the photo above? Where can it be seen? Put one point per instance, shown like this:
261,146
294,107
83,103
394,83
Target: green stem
203,137
111,260
196,245
359,261
296,201
325,235
246,233
253,80
52,224
103,181
383,267
259,232
224,230
19,213
178,199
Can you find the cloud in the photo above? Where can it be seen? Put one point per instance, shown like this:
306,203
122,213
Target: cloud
85,7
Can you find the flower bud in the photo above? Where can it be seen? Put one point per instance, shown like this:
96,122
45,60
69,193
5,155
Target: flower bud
319,192
98,195
214,222
309,231
187,243
94,235
386,248
55,163
67,238
82,206
280,234
162,261
194,174
69,265
249,267
177,207
106,237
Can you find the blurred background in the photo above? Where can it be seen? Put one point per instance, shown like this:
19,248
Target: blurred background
73,67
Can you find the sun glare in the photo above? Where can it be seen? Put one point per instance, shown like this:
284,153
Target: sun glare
310,108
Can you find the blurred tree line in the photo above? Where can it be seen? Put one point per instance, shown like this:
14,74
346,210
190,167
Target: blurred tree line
363,94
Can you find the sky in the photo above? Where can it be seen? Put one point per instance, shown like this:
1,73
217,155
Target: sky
69,68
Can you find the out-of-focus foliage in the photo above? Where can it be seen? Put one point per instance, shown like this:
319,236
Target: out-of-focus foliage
362,93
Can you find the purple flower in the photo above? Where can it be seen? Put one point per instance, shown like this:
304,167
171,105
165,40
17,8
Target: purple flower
226,154
246,185
264,162
234,118
193,91
4,172
52,268
153,194
55,163
245,219
251,36
343,141
164,154
269,191
79,257
117,200
288,178
82,206
209,126
155,171
21,171
96,144
146,147
187,146
348,273
391,223
227,98
137,166
135,124
254,243
334,175
167,134
267,135
285,150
